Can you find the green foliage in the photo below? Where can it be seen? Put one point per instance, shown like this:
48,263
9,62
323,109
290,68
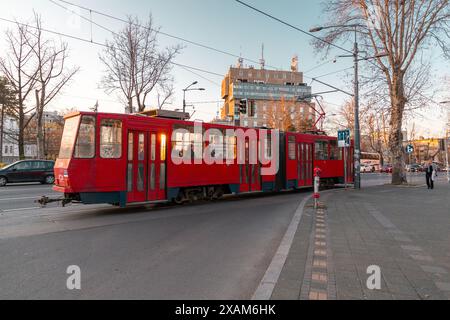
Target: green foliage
7,94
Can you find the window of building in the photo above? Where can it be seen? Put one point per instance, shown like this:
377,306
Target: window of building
321,152
111,139
85,145
291,147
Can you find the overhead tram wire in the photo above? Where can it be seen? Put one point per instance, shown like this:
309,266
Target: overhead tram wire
99,44
290,25
302,31
119,19
159,32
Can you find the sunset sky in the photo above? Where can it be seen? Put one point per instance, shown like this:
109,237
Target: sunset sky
221,24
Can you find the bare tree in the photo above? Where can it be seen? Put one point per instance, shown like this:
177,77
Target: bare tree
135,65
19,68
52,76
403,30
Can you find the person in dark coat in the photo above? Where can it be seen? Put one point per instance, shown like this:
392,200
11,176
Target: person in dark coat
429,171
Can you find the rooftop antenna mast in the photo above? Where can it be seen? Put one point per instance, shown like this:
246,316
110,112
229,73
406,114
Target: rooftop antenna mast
240,63
262,61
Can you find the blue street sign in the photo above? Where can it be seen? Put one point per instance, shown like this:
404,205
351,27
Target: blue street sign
409,149
344,138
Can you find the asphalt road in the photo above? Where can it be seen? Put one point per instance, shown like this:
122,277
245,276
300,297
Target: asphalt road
202,251
23,196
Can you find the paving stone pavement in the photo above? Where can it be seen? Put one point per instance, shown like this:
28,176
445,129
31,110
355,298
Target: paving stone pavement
405,231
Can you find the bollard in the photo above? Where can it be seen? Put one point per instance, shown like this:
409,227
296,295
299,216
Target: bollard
317,172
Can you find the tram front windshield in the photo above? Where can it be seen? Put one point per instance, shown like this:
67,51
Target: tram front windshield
68,138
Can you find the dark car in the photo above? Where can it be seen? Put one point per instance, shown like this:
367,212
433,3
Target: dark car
414,168
28,171
386,169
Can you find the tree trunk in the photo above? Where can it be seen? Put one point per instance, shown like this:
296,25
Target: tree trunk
398,102
40,138
1,132
39,124
21,137
130,106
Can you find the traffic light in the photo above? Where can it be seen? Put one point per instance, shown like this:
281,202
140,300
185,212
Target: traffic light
243,106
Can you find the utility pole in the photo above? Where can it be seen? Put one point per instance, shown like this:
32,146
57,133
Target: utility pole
447,137
357,130
357,127
1,131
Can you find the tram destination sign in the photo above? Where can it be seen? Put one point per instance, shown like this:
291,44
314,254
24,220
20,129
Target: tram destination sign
344,138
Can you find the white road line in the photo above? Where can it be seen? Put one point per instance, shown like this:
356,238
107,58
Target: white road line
6,190
270,279
24,198
20,209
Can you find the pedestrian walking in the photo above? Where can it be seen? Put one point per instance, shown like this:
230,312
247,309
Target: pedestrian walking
429,174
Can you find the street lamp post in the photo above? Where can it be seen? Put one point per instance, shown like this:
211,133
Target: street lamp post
357,130
188,88
446,140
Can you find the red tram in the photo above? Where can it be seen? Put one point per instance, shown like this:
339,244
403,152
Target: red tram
128,159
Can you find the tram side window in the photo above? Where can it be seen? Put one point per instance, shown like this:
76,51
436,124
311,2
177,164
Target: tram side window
111,139
188,144
335,151
216,143
321,150
85,145
291,145
231,147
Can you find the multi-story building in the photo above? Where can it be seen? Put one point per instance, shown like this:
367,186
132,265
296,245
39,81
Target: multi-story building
9,143
268,94
53,130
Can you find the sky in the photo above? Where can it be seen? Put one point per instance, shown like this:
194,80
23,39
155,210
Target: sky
222,24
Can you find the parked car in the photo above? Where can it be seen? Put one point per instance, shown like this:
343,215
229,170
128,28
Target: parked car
414,168
28,171
386,169
367,168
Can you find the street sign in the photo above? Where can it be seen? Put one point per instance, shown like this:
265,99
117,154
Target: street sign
409,149
344,138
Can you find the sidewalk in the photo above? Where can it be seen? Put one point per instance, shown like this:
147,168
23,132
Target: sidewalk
403,230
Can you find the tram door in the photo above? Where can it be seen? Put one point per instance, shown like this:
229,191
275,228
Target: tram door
309,164
137,166
305,164
157,166
250,173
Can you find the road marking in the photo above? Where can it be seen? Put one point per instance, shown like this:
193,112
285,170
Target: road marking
21,209
24,198
268,282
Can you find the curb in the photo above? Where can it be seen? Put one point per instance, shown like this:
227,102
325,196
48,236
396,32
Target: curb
267,285
270,279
